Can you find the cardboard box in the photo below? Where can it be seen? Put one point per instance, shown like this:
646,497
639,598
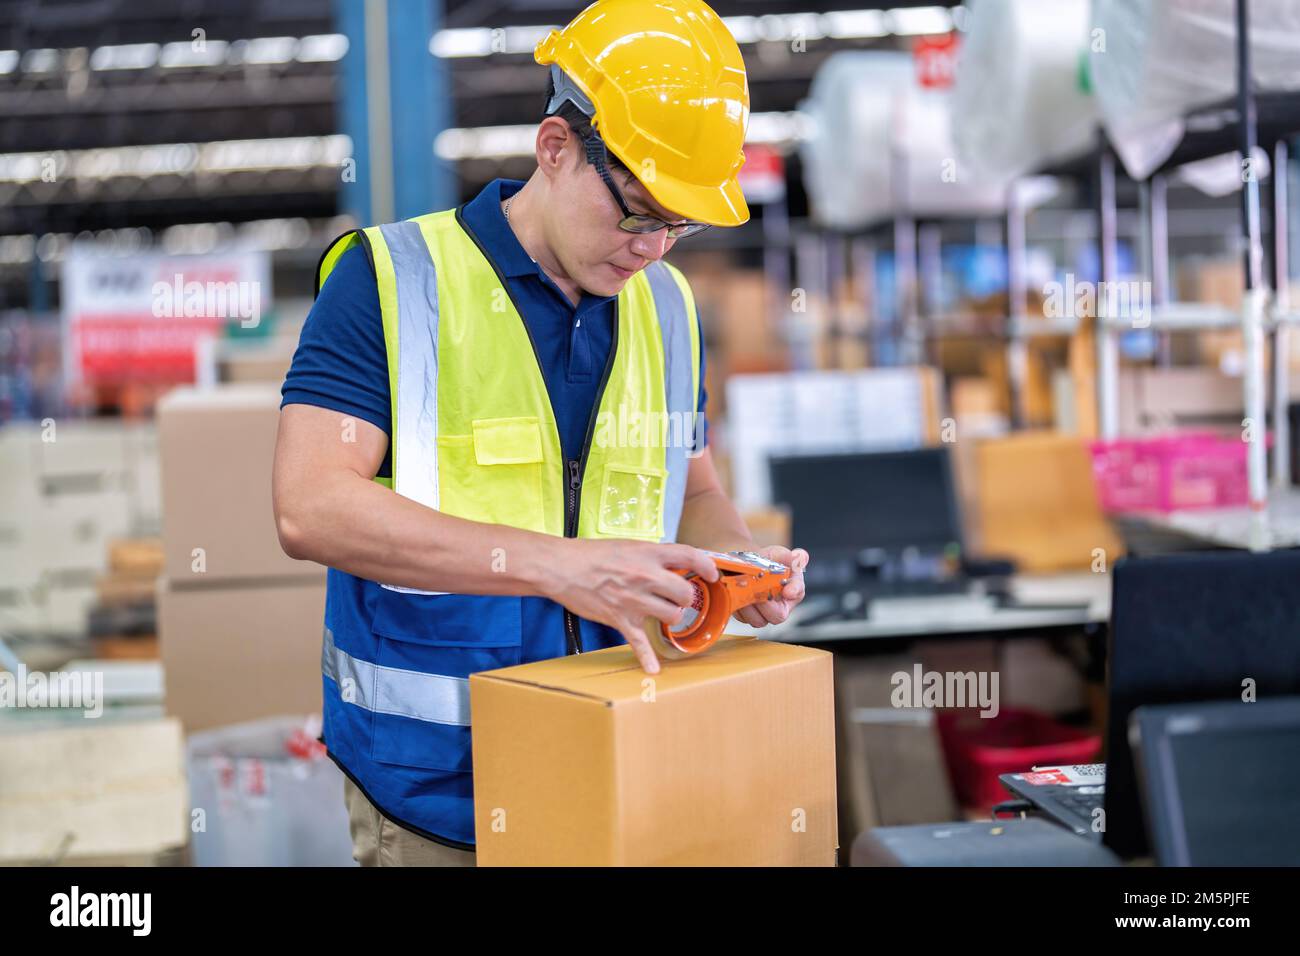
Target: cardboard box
723,760
891,768
1155,400
217,447
99,791
1037,503
263,361
238,653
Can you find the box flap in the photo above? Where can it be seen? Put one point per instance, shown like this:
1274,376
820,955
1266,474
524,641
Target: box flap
613,674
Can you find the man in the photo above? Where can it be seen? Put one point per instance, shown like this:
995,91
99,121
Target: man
453,440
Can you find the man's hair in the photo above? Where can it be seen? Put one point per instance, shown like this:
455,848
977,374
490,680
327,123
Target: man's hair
580,123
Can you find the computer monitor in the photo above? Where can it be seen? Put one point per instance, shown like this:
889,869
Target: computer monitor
1220,782
842,505
1192,627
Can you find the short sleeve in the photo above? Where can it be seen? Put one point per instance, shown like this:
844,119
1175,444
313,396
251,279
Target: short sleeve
340,362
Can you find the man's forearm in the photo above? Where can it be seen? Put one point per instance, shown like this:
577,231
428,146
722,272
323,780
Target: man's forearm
361,527
710,520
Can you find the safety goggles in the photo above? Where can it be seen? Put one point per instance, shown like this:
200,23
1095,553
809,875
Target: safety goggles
633,222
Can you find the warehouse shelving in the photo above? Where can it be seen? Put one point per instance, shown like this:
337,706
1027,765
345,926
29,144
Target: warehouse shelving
1265,522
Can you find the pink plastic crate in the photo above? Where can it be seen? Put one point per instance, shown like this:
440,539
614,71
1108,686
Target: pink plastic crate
1170,473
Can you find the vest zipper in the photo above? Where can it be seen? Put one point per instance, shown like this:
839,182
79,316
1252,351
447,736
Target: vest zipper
576,470
571,531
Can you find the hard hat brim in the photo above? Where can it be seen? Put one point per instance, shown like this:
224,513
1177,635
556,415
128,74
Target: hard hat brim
717,205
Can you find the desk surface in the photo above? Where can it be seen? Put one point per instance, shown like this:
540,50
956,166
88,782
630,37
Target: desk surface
1276,527
1048,591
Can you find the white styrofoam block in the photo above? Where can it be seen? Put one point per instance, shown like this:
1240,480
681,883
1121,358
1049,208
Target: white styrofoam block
73,531
73,446
23,609
67,609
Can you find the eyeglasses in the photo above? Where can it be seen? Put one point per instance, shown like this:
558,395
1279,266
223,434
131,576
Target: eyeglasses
633,222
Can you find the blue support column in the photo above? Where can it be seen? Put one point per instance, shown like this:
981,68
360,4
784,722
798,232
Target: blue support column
395,100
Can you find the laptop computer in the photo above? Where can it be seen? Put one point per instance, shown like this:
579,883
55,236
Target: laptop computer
1220,781
1070,795
1185,627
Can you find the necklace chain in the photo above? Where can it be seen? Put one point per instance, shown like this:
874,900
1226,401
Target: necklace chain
507,209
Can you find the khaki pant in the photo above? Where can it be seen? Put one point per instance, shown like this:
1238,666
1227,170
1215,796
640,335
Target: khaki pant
378,841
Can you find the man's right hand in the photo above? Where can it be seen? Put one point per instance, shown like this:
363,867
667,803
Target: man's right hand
621,583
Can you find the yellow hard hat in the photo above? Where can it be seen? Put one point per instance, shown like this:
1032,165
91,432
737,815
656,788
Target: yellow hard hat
671,99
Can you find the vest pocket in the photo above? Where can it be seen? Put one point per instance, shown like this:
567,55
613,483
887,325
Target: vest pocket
428,645
632,501
495,473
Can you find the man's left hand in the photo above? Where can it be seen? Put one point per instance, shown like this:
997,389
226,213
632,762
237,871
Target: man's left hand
774,612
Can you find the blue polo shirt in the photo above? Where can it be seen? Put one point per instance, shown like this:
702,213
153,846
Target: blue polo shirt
340,364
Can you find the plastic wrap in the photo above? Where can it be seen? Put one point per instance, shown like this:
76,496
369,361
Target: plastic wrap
1157,60
1020,98
868,118
269,797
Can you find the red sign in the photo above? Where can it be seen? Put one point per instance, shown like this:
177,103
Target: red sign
762,178
141,318
936,60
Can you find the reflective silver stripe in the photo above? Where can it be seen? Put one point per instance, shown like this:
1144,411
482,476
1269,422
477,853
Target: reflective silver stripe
388,690
415,430
682,403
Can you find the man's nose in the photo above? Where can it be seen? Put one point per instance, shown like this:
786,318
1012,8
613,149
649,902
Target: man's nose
651,245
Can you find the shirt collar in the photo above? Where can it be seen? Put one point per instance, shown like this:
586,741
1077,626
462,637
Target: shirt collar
484,217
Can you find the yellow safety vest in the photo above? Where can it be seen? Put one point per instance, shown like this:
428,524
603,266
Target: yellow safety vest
473,432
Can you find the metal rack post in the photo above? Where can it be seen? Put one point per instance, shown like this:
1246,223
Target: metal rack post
1017,292
1107,333
1281,329
1252,316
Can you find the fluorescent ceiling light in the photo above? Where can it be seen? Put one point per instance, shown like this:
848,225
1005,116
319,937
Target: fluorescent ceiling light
322,48
183,54
500,142
915,21
129,56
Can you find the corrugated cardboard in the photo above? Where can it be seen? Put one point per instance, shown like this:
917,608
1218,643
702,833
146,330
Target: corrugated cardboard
891,769
217,447
1156,400
102,792
727,759
238,653
1037,503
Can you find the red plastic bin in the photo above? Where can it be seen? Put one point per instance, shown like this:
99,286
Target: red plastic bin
977,749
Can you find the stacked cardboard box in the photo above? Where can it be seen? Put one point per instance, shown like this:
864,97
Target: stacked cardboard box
1037,503
123,620
239,621
69,487
891,769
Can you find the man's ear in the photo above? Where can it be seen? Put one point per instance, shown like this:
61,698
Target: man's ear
555,142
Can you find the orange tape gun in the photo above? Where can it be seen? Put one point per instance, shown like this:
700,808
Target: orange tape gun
744,578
